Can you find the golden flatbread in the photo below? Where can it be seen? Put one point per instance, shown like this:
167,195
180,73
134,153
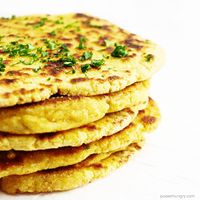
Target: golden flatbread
64,113
66,178
73,54
22,162
108,125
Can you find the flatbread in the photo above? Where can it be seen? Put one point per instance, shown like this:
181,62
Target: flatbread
66,178
37,57
64,113
108,125
21,162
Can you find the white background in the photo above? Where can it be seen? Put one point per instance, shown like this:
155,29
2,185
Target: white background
169,162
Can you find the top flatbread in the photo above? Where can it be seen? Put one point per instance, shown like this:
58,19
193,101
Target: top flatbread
45,55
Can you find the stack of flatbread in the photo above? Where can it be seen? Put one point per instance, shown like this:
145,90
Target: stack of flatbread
74,100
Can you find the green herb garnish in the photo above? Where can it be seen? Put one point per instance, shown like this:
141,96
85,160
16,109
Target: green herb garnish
40,23
2,65
63,49
52,33
119,51
73,71
36,69
94,25
86,55
16,49
73,24
97,63
68,61
84,68
50,44
82,41
13,17
148,57
41,52
44,54
30,62
93,64
59,22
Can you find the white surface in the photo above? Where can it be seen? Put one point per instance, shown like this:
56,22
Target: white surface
169,162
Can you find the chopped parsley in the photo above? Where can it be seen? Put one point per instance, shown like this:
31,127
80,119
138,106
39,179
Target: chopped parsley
94,25
28,51
59,22
119,51
41,52
52,33
148,57
30,62
50,44
97,63
13,17
86,55
36,69
40,23
84,68
63,49
93,64
82,41
44,53
68,61
73,71
2,65
60,56
71,25
16,49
